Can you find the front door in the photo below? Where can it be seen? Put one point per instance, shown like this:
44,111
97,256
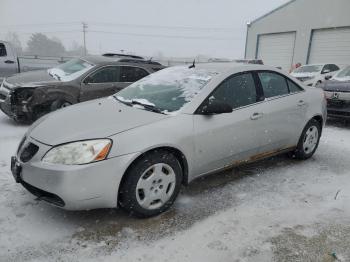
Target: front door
226,139
101,83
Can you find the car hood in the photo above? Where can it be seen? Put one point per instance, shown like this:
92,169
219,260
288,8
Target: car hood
31,79
303,74
94,119
336,86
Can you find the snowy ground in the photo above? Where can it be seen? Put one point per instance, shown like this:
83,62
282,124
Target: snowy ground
275,210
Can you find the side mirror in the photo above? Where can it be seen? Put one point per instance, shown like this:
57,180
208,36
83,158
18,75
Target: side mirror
328,77
214,107
326,71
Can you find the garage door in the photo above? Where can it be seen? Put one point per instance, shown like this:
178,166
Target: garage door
330,46
277,49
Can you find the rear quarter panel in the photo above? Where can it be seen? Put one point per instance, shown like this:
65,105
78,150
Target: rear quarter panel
316,104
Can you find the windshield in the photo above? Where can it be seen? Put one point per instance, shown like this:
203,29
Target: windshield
345,73
308,69
70,70
168,90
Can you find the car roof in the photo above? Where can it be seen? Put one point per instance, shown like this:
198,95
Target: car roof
107,60
226,67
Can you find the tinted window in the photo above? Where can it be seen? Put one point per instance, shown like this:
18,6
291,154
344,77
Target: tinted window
3,50
105,75
334,67
273,84
132,74
293,87
237,91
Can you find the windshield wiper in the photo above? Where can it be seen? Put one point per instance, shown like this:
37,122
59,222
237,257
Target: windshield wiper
147,106
144,105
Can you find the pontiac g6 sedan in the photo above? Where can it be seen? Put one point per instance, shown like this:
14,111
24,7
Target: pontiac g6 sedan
135,149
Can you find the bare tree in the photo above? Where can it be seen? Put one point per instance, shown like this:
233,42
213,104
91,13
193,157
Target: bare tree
40,44
13,38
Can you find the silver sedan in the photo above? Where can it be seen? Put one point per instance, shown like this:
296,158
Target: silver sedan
135,149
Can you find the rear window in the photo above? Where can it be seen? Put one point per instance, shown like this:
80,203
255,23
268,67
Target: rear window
293,88
273,84
3,50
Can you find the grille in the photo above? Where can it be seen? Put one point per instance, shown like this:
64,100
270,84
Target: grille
44,195
28,152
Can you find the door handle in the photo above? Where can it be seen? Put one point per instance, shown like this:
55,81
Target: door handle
9,62
301,103
256,116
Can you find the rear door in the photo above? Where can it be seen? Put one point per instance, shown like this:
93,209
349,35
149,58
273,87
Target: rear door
100,83
8,61
283,110
225,139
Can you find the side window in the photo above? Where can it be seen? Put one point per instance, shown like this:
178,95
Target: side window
237,91
3,50
273,84
132,74
326,68
334,68
105,75
293,88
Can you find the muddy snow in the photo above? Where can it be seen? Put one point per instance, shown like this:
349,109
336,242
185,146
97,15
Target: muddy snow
278,209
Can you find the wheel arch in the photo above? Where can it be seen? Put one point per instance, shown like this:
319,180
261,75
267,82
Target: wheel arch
177,153
319,118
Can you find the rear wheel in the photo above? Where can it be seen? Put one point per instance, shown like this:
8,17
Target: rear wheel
309,140
151,184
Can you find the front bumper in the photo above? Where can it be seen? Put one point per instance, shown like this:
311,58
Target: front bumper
74,187
339,109
13,111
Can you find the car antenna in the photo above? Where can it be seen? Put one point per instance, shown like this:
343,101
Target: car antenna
193,65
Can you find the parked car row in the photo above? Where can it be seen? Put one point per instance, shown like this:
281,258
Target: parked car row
334,81
313,75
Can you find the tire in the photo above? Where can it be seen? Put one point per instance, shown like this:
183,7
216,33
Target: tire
318,83
58,104
151,184
309,140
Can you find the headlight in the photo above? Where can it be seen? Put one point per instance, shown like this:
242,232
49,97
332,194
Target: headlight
78,153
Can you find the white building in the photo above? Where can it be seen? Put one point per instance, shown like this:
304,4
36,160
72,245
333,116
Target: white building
305,31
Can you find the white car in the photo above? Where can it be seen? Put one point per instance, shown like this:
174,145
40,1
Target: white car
136,148
313,75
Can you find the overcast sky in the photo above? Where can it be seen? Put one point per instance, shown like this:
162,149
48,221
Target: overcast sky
181,28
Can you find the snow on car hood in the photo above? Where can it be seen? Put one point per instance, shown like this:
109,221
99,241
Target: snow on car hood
94,119
30,79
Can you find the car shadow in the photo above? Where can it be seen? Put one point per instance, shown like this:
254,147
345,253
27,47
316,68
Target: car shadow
197,201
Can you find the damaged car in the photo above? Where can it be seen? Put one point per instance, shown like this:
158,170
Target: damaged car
27,96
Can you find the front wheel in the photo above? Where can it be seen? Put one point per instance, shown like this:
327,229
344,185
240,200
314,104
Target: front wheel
151,184
309,140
